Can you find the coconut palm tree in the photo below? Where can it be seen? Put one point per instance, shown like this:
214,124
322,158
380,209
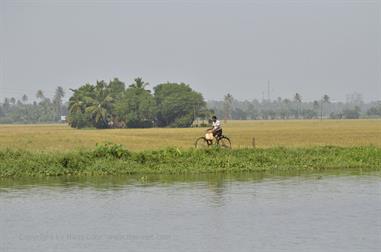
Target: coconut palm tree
286,105
324,100
57,100
99,114
13,100
24,98
100,105
298,100
228,106
6,104
75,104
316,107
40,94
139,83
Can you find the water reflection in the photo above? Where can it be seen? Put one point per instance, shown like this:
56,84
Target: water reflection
216,181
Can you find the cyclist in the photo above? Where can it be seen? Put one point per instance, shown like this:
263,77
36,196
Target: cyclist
216,129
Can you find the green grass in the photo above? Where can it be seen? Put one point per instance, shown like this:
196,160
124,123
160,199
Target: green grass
115,160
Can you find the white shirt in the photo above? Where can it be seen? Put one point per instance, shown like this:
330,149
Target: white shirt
216,125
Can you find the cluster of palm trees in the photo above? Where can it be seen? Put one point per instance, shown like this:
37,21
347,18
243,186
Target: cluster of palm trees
92,105
45,109
280,108
316,104
107,105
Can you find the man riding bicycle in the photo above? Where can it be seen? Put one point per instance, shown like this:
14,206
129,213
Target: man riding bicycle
216,129
213,132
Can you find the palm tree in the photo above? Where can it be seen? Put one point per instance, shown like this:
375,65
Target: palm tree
24,98
40,94
325,100
316,107
286,104
59,94
298,100
100,105
75,104
99,110
228,104
99,114
139,83
6,104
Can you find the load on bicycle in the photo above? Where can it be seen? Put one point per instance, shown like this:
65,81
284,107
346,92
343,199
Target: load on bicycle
213,133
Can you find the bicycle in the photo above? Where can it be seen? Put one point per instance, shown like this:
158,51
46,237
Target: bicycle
208,140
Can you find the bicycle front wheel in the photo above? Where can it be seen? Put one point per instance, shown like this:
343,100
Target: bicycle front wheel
201,143
224,142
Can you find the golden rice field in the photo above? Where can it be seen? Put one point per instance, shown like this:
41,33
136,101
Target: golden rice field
297,133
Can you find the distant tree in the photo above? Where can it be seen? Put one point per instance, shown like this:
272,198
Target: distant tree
309,113
228,106
139,84
13,100
352,113
285,111
333,115
24,98
252,111
374,111
316,106
239,114
324,100
6,104
57,100
268,114
298,101
40,94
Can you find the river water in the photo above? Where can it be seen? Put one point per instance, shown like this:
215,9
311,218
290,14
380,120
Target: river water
246,212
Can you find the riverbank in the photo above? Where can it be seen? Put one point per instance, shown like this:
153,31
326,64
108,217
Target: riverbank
116,160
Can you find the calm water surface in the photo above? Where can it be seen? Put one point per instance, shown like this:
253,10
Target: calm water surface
331,212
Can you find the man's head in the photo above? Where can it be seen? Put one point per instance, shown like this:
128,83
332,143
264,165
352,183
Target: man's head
214,118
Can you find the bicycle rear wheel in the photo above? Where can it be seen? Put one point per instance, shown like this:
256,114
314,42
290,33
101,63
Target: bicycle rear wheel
224,142
201,143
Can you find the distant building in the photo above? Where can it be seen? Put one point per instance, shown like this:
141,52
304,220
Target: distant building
63,119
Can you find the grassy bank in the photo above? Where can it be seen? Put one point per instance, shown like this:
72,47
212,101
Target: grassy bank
115,160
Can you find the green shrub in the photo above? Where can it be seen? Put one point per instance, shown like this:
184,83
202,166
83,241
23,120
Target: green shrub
111,150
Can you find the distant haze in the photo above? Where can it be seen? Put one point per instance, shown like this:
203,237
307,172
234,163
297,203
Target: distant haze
310,47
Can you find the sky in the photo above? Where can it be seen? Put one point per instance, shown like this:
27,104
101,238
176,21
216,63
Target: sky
218,47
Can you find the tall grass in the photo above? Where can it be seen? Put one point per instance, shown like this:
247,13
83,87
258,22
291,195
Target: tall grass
116,160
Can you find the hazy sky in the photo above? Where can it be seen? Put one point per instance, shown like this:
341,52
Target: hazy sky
310,47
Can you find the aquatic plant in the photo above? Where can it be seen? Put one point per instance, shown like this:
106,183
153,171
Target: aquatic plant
112,159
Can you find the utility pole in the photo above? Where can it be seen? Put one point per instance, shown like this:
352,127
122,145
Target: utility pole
268,91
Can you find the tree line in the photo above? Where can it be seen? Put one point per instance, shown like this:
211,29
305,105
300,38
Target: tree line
44,110
295,108
114,104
